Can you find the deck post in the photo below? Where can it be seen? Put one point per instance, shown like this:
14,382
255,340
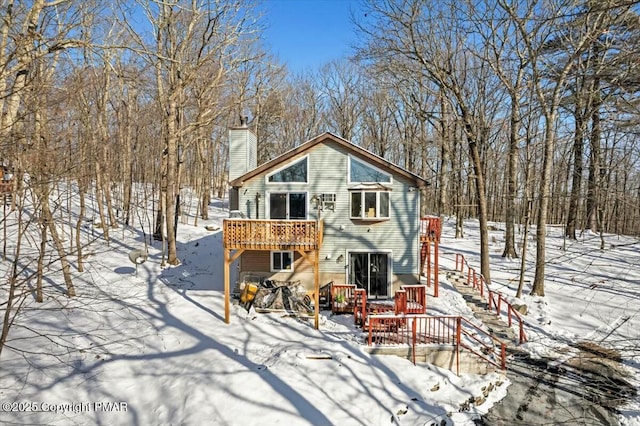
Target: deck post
458,342
428,261
226,285
228,260
435,269
316,288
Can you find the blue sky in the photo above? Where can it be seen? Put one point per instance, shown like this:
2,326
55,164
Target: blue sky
305,34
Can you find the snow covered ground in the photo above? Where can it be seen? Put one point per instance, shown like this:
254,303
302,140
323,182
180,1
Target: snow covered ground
151,346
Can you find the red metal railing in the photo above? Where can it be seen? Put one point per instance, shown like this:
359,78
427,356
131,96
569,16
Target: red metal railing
416,299
360,306
430,227
400,302
430,232
495,300
388,329
412,330
342,298
410,299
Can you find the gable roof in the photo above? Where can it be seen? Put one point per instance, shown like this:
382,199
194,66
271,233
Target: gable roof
323,138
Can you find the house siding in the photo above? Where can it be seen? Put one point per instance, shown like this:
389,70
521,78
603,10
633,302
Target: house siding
327,173
243,153
259,261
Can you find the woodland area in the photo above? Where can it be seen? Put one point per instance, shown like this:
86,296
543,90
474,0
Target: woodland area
522,112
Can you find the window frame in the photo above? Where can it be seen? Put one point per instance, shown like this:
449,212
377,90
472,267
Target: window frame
272,260
288,204
366,164
286,166
363,216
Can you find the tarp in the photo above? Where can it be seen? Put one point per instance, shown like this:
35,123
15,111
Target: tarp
283,295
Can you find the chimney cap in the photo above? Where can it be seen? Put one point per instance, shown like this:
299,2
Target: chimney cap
243,120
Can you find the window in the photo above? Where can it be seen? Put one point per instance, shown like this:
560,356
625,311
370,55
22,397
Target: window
288,205
369,205
281,261
361,172
296,172
327,201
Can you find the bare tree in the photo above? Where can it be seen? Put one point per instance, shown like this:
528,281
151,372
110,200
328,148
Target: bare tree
427,38
538,24
507,59
340,86
193,43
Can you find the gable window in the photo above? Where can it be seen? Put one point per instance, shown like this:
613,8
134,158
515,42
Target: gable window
369,205
293,173
288,205
366,173
281,261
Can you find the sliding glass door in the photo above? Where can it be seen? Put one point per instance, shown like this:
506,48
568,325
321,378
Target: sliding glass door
370,270
288,205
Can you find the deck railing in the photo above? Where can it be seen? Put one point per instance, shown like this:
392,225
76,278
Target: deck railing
360,306
272,234
409,300
416,299
412,330
343,298
430,228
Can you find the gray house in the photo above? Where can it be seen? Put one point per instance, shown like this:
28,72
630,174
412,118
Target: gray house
327,210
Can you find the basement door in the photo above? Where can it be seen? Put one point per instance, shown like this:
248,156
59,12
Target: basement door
370,270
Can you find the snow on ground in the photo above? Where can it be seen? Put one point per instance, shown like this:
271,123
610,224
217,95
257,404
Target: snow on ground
590,294
151,346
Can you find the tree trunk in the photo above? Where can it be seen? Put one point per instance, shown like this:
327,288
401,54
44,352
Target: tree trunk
576,181
100,201
10,303
594,171
43,249
445,158
66,268
457,154
113,222
172,177
485,264
512,165
545,186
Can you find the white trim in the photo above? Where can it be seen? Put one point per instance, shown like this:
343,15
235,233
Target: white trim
352,157
389,254
285,166
271,253
362,215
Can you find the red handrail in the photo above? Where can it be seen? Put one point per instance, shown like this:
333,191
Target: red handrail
360,306
342,298
414,330
431,227
416,298
494,298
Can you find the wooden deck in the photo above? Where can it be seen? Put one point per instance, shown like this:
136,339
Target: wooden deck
305,235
